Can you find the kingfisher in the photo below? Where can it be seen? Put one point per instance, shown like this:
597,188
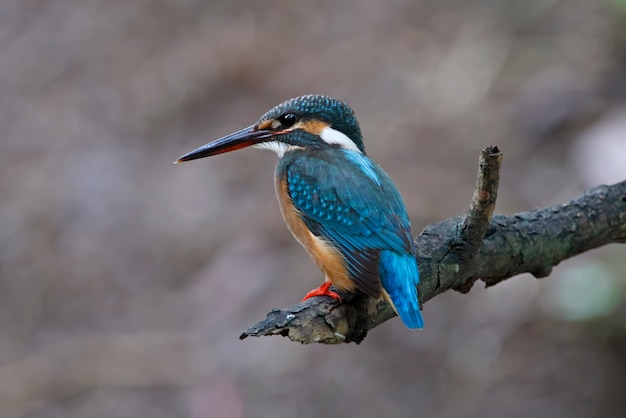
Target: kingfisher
337,202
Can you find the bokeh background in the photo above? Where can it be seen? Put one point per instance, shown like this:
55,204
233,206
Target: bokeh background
125,281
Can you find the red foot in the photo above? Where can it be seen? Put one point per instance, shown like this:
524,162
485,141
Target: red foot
323,290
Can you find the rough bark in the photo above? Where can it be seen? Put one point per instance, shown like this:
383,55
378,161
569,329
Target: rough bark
457,252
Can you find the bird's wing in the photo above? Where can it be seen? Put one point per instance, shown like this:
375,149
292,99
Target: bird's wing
348,200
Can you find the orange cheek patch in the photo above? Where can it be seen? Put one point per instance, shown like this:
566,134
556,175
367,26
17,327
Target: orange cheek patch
265,125
314,127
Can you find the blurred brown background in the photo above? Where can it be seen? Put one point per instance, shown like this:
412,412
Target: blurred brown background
125,281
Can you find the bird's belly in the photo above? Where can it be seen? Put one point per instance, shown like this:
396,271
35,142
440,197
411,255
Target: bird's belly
326,256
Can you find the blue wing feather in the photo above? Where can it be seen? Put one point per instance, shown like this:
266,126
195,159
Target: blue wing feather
348,200
363,208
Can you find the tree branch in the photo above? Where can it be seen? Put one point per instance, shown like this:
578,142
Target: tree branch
484,200
453,254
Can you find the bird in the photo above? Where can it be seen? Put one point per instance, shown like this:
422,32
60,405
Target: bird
339,204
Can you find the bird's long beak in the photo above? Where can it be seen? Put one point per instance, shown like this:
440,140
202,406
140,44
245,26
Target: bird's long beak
237,140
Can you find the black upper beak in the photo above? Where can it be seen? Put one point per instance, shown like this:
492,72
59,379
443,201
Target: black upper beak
237,140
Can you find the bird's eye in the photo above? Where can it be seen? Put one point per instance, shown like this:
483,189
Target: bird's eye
288,120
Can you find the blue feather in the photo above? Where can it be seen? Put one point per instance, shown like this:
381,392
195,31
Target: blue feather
400,277
365,164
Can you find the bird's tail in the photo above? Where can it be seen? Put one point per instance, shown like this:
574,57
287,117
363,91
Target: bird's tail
399,277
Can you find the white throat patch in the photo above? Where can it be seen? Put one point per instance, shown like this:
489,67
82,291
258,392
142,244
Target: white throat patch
333,136
279,148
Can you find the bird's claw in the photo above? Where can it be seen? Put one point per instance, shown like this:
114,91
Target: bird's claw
323,290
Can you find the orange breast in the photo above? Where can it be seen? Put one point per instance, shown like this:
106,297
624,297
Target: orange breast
326,256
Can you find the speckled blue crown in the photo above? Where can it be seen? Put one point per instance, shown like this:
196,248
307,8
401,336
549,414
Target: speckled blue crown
336,113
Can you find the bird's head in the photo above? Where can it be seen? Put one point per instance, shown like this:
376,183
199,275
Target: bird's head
305,122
